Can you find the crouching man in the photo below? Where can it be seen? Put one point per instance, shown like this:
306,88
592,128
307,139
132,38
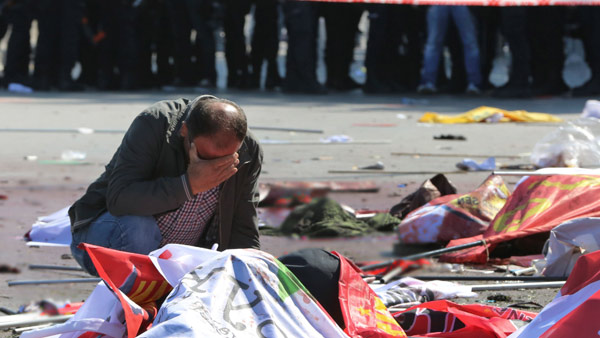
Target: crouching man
185,172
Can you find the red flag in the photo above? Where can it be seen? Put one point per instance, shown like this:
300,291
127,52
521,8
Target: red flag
135,276
405,265
538,204
364,313
572,312
442,318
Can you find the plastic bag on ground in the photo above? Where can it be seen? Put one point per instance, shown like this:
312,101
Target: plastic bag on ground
574,144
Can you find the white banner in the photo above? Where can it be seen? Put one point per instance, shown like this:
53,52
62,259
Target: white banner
236,293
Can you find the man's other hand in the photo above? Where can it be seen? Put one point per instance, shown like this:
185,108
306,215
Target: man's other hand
207,174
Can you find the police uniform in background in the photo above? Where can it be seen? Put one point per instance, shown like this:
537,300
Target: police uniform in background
546,29
235,43
513,26
301,21
341,24
18,14
154,41
394,48
193,64
534,36
59,23
589,17
117,50
265,44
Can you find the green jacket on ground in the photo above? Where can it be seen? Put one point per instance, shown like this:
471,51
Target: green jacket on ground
147,176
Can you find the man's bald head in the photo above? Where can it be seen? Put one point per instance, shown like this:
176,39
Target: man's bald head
209,116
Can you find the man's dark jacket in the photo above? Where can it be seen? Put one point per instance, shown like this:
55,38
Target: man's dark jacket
147,176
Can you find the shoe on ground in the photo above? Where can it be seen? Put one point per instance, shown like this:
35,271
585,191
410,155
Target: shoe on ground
376,86
427,88
344,84
304,88
550,89
473,90
591,88
513,92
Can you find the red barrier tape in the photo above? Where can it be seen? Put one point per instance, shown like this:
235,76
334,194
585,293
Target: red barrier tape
498,3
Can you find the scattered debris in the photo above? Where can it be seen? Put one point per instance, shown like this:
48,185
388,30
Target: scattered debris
5,268
591,109
383,125
72,155
438,185
499,298
470,165
377,166
574,144
337,139
450,137
416,155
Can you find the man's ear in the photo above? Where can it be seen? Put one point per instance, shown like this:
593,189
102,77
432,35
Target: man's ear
184,130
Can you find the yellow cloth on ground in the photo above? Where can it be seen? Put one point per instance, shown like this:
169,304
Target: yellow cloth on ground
482,113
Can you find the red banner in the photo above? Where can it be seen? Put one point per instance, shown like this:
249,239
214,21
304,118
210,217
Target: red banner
538,204
364,313
442,318
135,276
496,3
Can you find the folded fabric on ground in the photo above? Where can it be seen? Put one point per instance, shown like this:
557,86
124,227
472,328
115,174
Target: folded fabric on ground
51,230
455,216
538,204
567,242
488,114
324,217
410,290
573,310
442,318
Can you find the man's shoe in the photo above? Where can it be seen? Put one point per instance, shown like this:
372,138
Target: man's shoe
590,88
427,88
374,86
512,92
68,85
344,84
273,80
304,88
473,90
550,89
207,83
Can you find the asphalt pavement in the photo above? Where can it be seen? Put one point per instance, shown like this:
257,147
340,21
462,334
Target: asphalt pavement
40,130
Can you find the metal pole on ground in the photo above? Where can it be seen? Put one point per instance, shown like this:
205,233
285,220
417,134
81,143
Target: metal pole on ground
53,281
426,254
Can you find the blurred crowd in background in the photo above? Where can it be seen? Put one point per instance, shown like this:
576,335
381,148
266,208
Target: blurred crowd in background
274,45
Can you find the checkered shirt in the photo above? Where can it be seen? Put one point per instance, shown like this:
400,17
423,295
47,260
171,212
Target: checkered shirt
187,224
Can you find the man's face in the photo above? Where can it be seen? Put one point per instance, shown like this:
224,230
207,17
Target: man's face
207,145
